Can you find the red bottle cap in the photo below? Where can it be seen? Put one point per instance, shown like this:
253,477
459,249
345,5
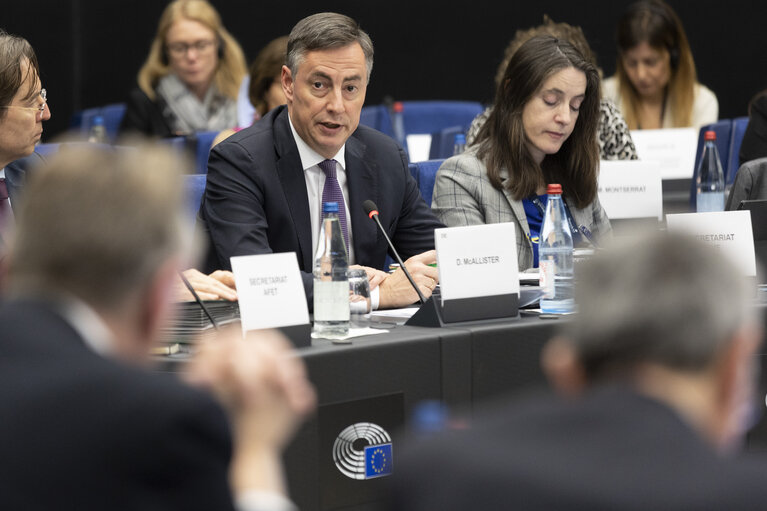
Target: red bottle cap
554,189
398,106
709,135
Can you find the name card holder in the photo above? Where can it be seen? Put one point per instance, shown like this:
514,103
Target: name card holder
478,277
271,295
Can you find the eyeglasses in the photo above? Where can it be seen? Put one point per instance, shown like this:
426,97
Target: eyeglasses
41,109
180,49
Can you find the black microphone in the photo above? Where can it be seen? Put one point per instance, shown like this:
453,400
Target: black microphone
372,212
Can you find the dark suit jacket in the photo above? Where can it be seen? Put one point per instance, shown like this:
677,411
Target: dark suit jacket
79,431
16,175
754,144
145,116
750,183
612,450
256,202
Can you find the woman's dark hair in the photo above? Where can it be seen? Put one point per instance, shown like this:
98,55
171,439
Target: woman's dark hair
265,70
654,22
503,144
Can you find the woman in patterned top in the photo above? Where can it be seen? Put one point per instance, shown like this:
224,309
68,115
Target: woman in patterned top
613,135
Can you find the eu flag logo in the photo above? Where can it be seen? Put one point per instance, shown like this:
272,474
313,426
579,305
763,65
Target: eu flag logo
378,461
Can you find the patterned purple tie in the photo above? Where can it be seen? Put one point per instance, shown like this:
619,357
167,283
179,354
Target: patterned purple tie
332,193
6,215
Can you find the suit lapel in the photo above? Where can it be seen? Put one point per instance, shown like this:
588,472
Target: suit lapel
362,181
291,175
517,208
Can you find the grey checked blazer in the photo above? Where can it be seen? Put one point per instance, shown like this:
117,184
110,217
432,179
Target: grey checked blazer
463,195
750,183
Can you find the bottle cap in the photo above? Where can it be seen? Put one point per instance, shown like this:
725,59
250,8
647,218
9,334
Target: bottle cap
330,207
98,120
398,106
554,189
709,135
460,138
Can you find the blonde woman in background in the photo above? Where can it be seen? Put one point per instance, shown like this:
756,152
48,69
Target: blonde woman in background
191,77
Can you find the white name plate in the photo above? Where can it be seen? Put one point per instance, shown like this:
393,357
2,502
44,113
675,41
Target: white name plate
478,260
729,231
631,189
418,147
270,290
673,148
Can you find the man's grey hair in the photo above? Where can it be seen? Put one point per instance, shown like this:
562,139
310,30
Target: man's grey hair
325,31
98,223
661,299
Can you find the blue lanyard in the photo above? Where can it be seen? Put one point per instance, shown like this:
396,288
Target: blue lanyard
539,205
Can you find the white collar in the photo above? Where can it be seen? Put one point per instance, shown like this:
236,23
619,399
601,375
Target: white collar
87,323
310,157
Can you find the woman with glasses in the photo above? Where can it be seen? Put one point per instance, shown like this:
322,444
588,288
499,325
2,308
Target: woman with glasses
191,77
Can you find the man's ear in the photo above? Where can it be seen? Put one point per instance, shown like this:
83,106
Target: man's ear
286,78
562,368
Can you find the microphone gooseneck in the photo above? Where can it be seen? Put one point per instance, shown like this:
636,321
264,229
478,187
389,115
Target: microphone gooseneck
198,300
372,212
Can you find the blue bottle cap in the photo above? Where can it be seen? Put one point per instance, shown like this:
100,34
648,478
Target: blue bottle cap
330,207
460,138
97,120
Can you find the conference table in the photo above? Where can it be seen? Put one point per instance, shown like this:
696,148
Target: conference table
386,381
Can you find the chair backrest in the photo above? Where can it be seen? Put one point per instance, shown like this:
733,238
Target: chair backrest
194,185
443,142
433,116
378,118
739,125
86,120
47,149
113,116
425,173
723,130
202,151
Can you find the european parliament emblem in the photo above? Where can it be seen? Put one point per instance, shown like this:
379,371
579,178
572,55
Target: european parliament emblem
378,461
363,451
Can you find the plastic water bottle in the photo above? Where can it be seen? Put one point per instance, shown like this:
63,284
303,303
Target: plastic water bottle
398,124
459,145
98,132
710,180
555,255
331,283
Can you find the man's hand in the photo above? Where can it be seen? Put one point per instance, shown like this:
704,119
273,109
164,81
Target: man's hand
219,285
396,290
375,277
264,386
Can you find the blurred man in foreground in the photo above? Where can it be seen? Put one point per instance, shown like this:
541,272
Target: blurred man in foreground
653,375
92,267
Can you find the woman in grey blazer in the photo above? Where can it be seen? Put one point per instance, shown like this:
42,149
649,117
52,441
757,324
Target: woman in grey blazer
542,130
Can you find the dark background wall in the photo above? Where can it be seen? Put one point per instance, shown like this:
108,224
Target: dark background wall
90,50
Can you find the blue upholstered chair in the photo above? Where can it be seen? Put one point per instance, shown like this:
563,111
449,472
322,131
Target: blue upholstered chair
443,142
204,141
434,116
113,116
739,125
425,173
194,185
723,130
378,118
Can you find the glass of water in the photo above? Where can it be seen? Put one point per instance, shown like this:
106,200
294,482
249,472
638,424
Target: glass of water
359,298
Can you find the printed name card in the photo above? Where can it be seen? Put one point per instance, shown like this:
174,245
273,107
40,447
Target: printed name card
729,231
673,148
478,260
631,189
270,291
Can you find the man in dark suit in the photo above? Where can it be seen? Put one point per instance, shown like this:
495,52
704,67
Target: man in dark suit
266,183
654,375
98,242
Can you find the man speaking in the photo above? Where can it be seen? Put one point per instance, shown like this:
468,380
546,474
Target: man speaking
266,184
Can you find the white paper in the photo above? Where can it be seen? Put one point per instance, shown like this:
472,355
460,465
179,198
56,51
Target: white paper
673,148
631,189
730,231
418,147
478,260
270,291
